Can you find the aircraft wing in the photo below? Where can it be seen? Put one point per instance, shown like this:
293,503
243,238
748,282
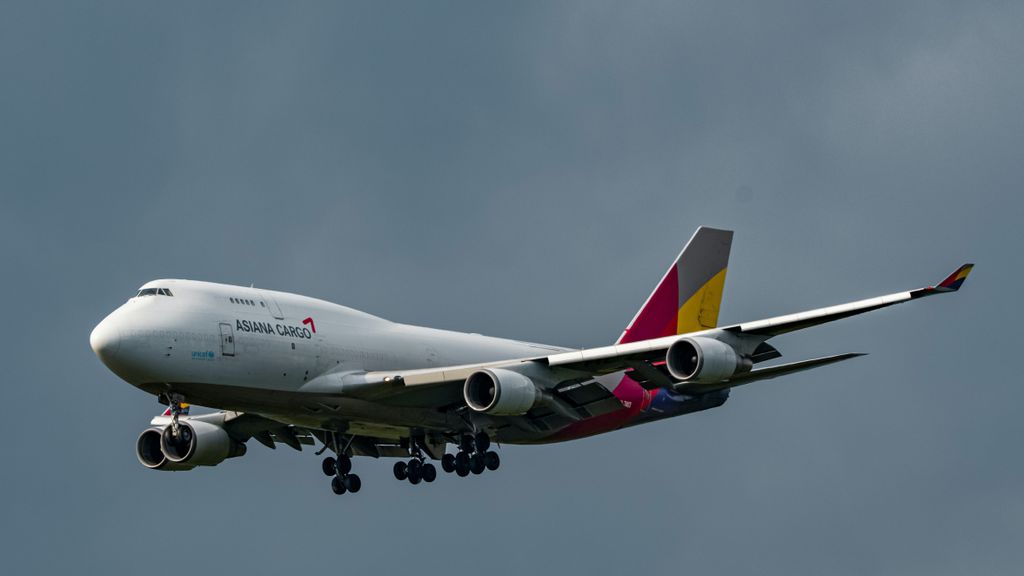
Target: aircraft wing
243,426
800,320
645,355
761,330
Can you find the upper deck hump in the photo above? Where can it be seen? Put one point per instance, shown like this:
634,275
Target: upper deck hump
212,291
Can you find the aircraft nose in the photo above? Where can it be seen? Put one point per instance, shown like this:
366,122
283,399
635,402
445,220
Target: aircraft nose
105,340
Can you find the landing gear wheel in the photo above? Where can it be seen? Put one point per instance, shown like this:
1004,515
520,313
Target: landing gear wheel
476,464
466,443
428,472
401,470
415,467
492,461
352,483
415,474
482,441
462,464
344,464
338,486
330,466
448,463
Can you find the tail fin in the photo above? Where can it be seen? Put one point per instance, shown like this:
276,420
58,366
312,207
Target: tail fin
689,295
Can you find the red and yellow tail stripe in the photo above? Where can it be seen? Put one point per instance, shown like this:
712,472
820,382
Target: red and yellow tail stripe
689,296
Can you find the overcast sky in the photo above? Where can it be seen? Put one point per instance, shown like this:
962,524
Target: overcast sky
527,170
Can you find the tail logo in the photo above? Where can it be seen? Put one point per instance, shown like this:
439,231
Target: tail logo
953,281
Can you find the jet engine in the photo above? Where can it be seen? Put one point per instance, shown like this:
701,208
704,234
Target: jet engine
197,443
147,448
704,360
501,392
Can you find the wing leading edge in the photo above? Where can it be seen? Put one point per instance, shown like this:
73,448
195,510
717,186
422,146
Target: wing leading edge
800,320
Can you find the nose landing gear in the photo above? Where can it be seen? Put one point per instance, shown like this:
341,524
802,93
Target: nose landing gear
176,405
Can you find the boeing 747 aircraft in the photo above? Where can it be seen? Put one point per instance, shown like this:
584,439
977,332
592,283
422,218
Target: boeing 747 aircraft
293,370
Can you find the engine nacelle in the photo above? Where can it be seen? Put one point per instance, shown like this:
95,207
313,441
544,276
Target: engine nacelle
198,444
147,449
501,392
704,360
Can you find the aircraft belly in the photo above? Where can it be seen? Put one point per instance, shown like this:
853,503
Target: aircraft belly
311,410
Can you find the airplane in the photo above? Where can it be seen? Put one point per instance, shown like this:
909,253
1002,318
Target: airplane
288,369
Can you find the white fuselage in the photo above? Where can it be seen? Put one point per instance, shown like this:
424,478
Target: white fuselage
192,335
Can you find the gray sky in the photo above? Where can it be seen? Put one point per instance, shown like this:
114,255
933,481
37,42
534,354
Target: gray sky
527,170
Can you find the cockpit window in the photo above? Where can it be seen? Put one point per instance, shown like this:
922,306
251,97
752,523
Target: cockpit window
154,292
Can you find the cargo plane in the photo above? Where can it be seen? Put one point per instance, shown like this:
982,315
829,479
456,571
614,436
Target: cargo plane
287,369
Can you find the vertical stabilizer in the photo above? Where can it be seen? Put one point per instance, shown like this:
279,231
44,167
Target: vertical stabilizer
689,295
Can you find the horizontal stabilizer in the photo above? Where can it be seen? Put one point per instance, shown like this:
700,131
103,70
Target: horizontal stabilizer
764,374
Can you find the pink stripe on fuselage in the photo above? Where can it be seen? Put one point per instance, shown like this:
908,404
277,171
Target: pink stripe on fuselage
634,400
658,318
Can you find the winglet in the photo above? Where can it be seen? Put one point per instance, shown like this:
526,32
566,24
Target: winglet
953,282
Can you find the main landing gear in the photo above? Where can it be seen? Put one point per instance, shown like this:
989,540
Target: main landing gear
473,456
417,469
341,467
343,480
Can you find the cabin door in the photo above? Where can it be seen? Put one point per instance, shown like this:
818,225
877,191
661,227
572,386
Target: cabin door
227,340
